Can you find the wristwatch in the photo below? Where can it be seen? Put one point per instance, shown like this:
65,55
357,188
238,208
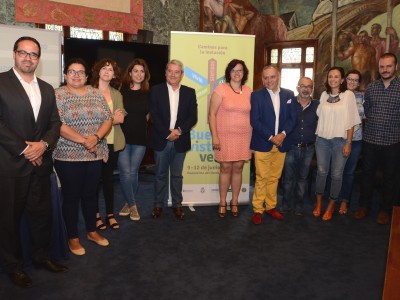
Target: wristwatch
46,144
98,139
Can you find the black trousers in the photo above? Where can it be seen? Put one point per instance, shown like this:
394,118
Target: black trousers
30,195
384,158
79,185
107,171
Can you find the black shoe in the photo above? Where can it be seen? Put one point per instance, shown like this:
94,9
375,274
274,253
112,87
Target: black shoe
101,225
20,278
156,213
285,209
51,266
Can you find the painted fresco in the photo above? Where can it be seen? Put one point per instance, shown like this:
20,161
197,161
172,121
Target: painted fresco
360,34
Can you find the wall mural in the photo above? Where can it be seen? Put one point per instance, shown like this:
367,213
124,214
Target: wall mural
126,15
362,29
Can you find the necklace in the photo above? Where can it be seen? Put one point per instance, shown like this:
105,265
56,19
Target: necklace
234,90
333,99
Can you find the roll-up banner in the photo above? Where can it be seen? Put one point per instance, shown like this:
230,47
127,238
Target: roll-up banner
205,57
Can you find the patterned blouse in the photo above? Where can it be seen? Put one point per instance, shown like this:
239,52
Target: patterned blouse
357,135
84,114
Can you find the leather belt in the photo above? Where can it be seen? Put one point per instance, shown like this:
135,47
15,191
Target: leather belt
304,145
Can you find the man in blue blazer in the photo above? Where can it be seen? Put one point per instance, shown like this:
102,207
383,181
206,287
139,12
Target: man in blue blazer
29,127
272,117
173,111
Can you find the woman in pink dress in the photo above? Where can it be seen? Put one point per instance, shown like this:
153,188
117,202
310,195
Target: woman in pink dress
229,120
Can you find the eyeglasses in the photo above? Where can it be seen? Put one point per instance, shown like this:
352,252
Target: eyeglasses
237,71
302,86
80,73
24,54
352,80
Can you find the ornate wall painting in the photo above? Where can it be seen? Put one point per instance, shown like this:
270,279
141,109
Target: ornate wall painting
274,21
125,15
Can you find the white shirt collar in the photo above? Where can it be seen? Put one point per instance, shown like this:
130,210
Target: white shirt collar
20,78
170,87
272,93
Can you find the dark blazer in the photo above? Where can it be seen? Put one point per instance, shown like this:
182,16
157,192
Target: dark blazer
262,118
161,117
17,125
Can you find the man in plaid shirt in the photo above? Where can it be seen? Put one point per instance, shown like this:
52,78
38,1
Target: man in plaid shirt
381,138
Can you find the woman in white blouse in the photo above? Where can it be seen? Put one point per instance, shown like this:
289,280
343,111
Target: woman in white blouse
338,115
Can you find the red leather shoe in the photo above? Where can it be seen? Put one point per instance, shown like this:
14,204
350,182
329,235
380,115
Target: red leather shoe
257,218
274,214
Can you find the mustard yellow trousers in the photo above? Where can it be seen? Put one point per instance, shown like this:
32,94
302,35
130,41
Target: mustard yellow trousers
269,167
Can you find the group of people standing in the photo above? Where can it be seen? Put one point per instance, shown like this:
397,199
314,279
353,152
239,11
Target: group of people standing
105,124
84,130
89,129
285,132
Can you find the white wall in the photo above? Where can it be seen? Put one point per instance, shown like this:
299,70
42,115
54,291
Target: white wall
49,68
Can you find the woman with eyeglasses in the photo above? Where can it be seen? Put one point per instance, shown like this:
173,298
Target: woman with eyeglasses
337,115
80,151
229,120
106,76
353,80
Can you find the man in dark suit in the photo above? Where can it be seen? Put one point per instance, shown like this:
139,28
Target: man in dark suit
173,110
29,127
272,117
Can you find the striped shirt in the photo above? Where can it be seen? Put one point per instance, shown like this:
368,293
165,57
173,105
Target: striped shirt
382,111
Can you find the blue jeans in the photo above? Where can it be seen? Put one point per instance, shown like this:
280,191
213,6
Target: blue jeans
169,161
128,164
330,154
296,169
349,169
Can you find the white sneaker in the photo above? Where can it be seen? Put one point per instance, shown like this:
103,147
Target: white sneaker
125,211
134,214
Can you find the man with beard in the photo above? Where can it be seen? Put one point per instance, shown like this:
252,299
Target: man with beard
381,138
301,149
29,127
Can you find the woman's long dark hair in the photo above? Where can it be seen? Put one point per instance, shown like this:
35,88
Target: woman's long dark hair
127,80
343,85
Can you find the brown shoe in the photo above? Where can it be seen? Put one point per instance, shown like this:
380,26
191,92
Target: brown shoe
361,213
383,217
179,214
156,212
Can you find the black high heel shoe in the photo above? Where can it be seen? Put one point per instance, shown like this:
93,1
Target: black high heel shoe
115,225
101,226
234,213
222,211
